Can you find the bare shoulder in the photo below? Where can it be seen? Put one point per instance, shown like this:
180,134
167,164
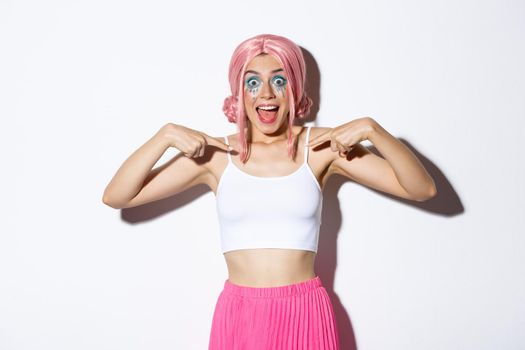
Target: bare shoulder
320,157
216,162
323,150
214,153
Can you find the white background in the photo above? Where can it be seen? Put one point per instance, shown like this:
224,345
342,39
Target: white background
84,84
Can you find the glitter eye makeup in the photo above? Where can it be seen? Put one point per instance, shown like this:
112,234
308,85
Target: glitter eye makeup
280,83
253,84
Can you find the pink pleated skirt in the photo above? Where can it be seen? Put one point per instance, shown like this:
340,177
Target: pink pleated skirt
291,317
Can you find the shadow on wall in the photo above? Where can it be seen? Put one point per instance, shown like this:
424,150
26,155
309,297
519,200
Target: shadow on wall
446,203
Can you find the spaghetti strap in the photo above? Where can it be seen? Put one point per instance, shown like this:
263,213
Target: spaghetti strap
229,154
305,145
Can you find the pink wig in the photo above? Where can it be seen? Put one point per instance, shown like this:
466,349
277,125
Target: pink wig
291,58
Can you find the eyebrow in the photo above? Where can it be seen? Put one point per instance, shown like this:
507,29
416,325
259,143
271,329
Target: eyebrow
273,71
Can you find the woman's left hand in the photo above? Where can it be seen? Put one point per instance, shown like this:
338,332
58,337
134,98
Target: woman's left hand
344,137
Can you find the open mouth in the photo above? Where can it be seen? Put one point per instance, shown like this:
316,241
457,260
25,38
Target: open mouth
267,114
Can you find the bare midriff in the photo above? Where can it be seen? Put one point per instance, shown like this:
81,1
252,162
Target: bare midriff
269,267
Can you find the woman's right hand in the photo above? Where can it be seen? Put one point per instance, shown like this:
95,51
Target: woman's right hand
190,142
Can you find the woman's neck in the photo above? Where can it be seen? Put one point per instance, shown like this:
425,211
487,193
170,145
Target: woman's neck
257,136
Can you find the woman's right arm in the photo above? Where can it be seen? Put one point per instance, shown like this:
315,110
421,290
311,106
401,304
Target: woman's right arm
135,183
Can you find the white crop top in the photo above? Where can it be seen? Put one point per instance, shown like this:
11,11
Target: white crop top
269,212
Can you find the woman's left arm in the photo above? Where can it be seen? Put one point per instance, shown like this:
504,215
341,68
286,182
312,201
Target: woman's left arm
399,173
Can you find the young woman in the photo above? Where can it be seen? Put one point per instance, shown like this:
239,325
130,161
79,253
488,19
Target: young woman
268,180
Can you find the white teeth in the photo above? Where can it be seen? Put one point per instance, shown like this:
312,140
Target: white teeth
268,108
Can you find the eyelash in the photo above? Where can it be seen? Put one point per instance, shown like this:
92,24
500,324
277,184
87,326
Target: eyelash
249,80
279,77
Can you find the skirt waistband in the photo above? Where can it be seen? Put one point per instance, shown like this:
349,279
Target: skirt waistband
271,292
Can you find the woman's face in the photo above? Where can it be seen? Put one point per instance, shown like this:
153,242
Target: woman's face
265,97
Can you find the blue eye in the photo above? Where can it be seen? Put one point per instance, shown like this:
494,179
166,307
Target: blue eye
279,81
252,83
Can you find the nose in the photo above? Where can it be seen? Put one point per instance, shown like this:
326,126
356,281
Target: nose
267,91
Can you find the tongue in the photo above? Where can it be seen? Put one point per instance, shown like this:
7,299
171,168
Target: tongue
268,115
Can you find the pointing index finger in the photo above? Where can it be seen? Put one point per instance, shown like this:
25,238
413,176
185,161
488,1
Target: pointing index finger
319,139
214,142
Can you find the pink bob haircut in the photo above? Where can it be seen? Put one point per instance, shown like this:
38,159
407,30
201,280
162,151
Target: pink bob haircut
291,59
